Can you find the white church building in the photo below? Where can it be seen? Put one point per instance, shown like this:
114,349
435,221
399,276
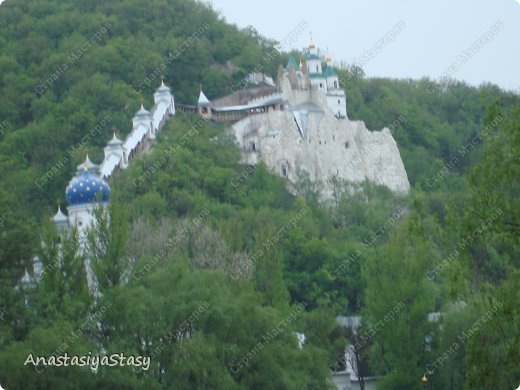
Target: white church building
88,190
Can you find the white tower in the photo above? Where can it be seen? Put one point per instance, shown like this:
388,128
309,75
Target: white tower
336,99
163,95
116,157
60,221
313,61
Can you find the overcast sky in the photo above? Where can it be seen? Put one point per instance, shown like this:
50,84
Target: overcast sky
428,36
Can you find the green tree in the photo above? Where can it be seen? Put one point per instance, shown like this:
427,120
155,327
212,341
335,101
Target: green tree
398,299
493,350
106,246
62,289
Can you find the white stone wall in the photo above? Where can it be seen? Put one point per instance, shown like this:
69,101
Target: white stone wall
332,82
332,147
81,216
337,103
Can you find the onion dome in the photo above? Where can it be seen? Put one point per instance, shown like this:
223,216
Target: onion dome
91,167
163,88
60,220
60,217
143,113
87,188
115,141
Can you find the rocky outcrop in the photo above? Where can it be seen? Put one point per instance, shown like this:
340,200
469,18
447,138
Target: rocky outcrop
307,136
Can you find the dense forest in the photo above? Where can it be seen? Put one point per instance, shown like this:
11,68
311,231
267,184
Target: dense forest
251,265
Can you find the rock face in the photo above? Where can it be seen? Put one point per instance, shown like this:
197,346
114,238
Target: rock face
306,135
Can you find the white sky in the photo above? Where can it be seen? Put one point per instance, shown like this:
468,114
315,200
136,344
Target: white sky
435,33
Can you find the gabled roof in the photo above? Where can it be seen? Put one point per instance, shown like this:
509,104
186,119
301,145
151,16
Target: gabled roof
135,137
109,164
159,112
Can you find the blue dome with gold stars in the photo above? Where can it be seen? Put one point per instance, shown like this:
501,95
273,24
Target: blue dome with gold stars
87,188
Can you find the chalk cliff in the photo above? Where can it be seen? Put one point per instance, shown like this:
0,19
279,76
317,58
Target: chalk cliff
307,135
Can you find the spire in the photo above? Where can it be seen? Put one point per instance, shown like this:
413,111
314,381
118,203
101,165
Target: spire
312,49
26,279
60,218
203,99
301,65
114,141
85,164
328,57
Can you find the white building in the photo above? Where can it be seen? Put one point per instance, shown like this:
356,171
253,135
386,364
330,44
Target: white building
145,125
308,130
87,190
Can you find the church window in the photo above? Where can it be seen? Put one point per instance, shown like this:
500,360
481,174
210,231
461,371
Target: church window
336,86
346,145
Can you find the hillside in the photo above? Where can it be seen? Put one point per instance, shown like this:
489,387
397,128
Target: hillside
252,264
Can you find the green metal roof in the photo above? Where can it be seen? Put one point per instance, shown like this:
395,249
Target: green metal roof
292,61
316,76
313,57
329,72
